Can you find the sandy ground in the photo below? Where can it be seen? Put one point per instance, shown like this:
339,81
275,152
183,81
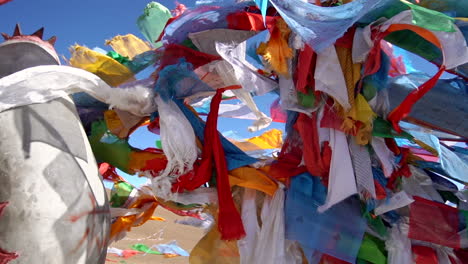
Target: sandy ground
157,232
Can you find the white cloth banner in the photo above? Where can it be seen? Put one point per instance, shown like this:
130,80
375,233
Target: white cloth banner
342,183
42,84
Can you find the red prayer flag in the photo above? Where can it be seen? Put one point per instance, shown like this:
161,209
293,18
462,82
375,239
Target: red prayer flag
316,159
462,255
249,21
434,222
230,223
288,163
327,259
304,75
424,255
172,53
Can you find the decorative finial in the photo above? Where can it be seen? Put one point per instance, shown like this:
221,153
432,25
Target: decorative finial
17,31
39,33
52,40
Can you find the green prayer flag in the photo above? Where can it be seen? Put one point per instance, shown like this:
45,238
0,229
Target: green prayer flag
112,150
145,249
158,144
430,19
116,56
120,193
306,100
369,90
372,249
414,43
383,128
361,261
376,223
153,22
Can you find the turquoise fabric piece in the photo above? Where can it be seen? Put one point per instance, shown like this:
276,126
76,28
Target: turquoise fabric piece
263,5
142,61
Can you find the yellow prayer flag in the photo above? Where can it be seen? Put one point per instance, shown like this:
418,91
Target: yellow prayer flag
128,45
108,69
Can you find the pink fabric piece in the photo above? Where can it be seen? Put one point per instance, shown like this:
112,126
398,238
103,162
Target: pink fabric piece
277,114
